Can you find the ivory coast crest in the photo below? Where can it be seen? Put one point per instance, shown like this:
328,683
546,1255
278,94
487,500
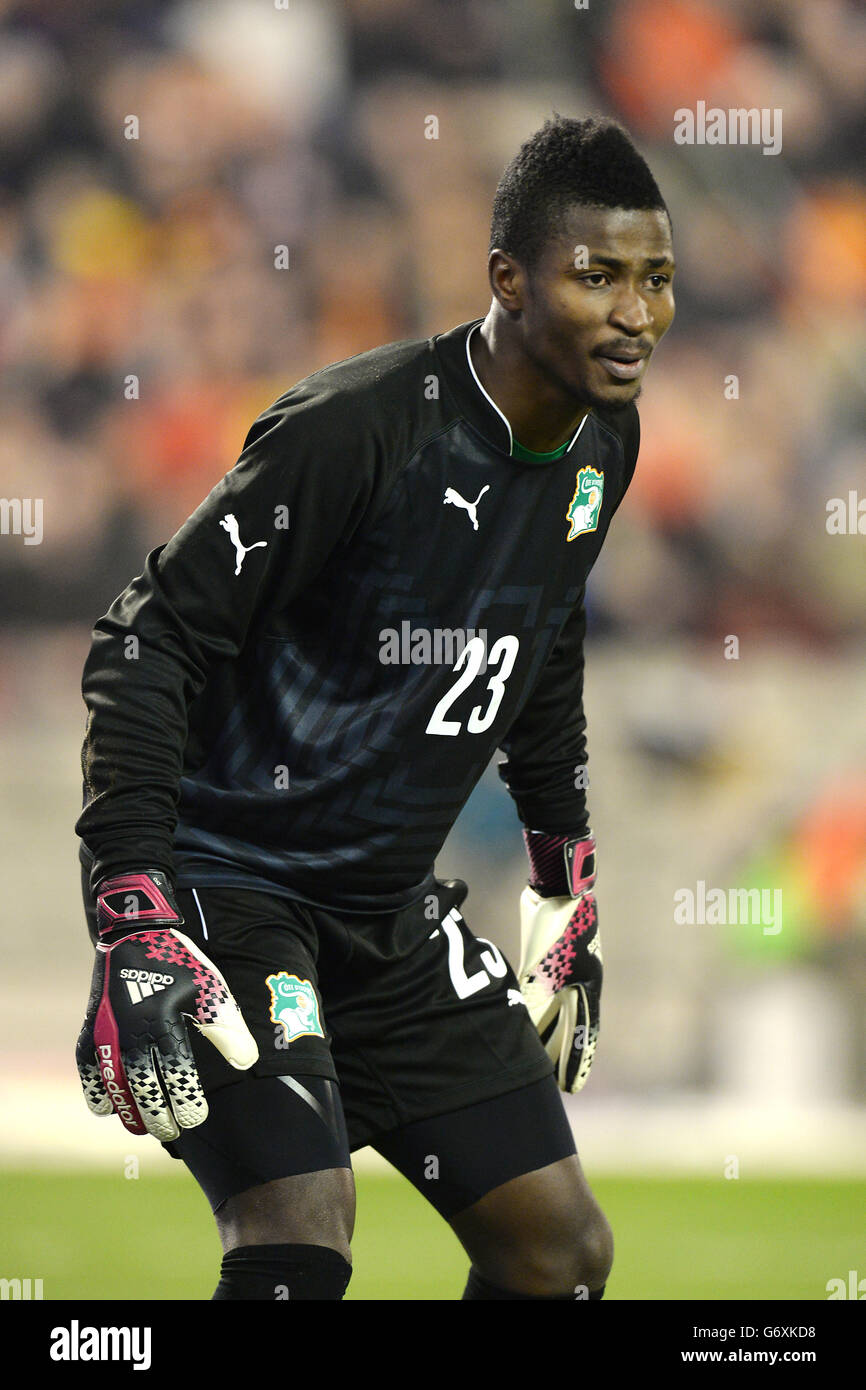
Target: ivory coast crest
584,508
295,1006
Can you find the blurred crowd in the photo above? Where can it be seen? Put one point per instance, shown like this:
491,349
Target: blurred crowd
153,156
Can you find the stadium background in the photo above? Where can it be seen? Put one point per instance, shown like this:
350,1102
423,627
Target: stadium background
723,1125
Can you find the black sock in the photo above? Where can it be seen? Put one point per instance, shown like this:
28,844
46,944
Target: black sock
275,1272
477,1288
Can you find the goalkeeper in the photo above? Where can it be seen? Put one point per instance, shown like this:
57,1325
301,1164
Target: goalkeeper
280,977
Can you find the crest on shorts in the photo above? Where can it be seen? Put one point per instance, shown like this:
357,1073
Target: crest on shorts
584,508
294,1005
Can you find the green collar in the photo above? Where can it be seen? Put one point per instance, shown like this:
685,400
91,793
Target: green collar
529,456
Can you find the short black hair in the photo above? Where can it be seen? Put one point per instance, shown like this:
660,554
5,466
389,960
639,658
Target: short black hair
592,162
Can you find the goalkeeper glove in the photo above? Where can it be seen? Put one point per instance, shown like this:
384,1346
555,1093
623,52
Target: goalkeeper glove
560,966
134,1054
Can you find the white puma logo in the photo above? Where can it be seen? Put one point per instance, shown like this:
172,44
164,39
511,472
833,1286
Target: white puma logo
453,497
229,523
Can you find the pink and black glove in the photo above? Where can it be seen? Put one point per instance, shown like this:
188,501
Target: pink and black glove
149,982
560,964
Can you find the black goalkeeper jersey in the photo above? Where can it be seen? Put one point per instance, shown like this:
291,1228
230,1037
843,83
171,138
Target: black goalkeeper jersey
304,685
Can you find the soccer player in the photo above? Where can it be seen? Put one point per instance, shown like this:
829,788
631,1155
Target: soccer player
279,741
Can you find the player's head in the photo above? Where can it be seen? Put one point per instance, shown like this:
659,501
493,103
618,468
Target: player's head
581,259
588,163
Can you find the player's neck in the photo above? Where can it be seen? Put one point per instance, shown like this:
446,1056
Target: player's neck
541,417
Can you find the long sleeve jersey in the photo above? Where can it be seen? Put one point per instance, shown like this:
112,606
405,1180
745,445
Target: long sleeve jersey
306,682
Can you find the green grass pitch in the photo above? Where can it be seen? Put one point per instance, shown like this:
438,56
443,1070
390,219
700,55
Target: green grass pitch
92,1236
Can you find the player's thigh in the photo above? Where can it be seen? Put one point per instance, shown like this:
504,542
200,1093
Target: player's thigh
308,1209
272,1156
505,1173
543,1232
457,1157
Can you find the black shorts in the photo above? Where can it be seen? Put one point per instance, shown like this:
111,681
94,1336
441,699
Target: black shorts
407,1011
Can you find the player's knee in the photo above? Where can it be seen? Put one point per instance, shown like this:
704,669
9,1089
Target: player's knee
570,1248
593,1253
577,1253
307,1209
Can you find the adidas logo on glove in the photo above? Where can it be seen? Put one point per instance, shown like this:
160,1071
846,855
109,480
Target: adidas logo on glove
143,983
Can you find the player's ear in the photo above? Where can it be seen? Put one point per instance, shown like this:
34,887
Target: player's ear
507,280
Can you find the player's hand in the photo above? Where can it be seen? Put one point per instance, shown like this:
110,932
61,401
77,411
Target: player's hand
561,968
149,980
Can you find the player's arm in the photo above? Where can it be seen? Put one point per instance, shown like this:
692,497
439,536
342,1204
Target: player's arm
299,488
545,770
560,969
301,485
545,749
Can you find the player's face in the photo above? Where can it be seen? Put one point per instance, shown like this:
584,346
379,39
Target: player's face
598,302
